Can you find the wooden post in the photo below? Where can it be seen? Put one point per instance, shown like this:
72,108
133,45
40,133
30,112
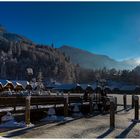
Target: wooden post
14,108
66,100
136,99
91,105
112,113
115,105
124,101
27,110
14,105
68,93
133,101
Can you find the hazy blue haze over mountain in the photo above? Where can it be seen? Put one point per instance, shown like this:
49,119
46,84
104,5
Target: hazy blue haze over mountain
95,61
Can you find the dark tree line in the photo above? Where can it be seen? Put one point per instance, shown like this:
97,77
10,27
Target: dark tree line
16,57
129,76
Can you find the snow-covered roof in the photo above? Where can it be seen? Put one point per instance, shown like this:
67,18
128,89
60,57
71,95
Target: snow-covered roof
8,82
84,86
77,84
52,84
1,83
18,84
14,82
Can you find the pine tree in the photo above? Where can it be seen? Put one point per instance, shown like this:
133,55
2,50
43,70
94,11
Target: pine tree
40,77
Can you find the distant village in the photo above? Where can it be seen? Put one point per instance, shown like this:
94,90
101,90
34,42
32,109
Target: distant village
37,86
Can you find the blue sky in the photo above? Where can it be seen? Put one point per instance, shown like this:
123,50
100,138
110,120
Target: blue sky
108,28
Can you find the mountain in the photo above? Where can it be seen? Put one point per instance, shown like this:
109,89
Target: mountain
17,53
133,62
6,36
94,61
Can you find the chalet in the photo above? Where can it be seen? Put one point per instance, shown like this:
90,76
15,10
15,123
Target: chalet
18,87
110,87
28,86
87,87
77,89
107,90
19,82
8,86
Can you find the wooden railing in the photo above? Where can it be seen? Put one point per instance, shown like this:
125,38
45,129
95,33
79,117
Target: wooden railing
38,100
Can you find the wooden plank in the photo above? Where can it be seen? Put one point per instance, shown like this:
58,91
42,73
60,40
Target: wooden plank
36,100
73,99
47,100
12,101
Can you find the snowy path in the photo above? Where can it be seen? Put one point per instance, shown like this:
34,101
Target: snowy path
94,127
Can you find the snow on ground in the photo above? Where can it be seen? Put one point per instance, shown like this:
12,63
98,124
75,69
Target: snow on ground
8,121
52,118
90,127
12,124
120,98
